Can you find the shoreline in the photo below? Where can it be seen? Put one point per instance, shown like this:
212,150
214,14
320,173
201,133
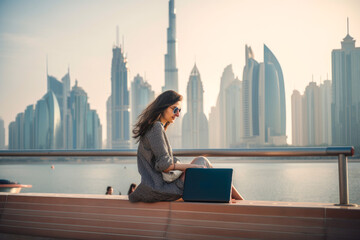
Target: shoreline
115,160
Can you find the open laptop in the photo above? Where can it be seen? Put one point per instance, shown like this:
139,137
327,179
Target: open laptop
208,185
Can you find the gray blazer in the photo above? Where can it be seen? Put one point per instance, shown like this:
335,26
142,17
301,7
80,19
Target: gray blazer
155,155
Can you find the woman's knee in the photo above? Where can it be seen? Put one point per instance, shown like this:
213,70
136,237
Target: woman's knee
201,160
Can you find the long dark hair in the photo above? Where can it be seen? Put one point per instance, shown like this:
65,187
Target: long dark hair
153,112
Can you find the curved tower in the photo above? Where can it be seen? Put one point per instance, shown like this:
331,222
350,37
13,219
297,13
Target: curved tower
275,85
48,123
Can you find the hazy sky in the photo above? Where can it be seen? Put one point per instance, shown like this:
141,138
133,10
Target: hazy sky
81,34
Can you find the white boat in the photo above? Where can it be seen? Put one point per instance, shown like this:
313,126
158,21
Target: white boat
11,187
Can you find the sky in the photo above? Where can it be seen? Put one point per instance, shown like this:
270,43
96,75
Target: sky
79,35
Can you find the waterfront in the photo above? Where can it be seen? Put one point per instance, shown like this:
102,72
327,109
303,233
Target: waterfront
271,180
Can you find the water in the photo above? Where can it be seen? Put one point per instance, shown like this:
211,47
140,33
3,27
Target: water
264,180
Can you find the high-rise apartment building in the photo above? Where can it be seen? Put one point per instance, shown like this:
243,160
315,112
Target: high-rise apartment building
29,127
78,106
311,120
297,119
233,113
195,125
346,97
325,101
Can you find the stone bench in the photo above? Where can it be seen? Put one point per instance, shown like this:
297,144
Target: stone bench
79,216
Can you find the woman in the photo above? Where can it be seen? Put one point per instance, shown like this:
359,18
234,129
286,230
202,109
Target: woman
155,156
132,188
109,190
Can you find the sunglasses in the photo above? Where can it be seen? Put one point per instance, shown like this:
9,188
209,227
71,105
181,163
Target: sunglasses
176,110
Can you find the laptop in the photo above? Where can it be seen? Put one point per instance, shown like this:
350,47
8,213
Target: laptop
208,185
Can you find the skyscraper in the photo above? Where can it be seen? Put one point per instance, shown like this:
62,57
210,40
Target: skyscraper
108,123
141,96
297,119
12,136
61,89
171,74
217,117
275,107
171,71
79,107
29,127
313,114
195,125
120,105
93,130
48,133
233,111
346,97
2,134
264,121
325,101
20,130
311,120
250,95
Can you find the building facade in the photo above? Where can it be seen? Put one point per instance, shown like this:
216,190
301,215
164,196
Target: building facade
195,124
171,71
217,116
171,74
345,64
263,94
120,102
233,112
311,115
48,134
141,96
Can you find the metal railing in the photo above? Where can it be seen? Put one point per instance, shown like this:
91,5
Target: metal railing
341,152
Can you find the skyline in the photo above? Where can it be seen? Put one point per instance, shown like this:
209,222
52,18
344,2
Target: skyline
26,50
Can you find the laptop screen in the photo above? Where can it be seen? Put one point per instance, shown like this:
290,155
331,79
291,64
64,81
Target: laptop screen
208,184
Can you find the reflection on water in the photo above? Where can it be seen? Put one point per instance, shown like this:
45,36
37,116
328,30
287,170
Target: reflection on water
298,181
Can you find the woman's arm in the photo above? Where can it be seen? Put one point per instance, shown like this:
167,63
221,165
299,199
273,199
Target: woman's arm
182,166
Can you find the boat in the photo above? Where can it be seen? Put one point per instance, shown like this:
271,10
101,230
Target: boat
12,187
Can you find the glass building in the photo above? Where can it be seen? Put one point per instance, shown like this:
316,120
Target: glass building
48,123
195,124
120,105
346,98
29,127
141,96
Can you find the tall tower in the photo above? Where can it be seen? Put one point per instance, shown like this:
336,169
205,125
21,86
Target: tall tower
120,104
195,125
346,99
171,71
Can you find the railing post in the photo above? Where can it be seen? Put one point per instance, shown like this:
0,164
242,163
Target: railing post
343,180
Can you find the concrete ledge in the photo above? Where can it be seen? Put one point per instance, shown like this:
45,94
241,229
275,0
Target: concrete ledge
79,216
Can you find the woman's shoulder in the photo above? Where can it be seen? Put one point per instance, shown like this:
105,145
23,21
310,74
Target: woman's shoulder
156,128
